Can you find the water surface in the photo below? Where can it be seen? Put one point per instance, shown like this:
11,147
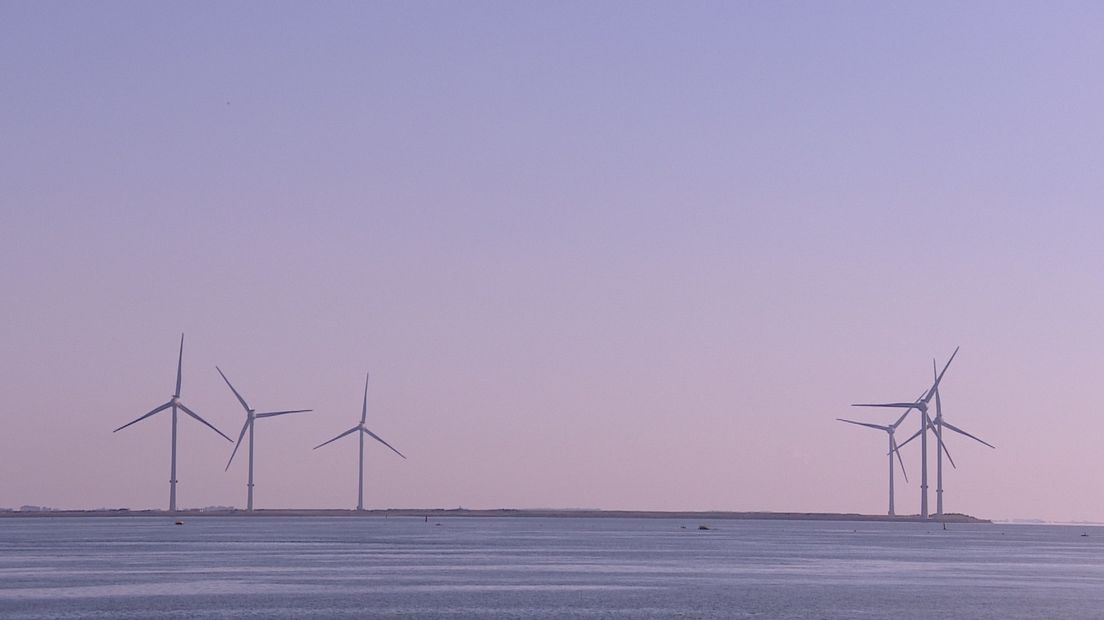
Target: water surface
500,567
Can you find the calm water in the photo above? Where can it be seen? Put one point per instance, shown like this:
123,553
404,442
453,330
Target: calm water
543,568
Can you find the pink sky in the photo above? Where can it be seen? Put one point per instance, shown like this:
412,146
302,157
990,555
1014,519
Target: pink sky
616,256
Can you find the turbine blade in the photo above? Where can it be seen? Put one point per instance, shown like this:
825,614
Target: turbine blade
901,419
905,442
205,422
377,438
881,428
364,410
161,408
938,437
907,411
271,414
895,405
179,365
245,427
897,449
962,432
348,432
939,418
240,399
939,377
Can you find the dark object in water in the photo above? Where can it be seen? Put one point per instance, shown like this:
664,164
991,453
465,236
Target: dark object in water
703,527
179,523
1084,534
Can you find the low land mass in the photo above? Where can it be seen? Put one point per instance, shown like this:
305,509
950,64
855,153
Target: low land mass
438,513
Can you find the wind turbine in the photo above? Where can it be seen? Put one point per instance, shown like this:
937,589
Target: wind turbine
363,431
937,426
250,416
921,404
892,450
175,403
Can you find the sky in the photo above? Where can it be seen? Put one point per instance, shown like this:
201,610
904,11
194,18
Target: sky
617,255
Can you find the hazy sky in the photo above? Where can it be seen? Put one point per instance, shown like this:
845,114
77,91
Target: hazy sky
614,255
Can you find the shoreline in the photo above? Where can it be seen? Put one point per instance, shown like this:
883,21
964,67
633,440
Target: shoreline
437,513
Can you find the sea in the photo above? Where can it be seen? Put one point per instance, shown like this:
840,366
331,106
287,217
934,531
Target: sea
527,567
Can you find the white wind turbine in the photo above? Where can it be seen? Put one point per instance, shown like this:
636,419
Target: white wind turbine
937,426
893,450
250,417
921,404
175,403
363,431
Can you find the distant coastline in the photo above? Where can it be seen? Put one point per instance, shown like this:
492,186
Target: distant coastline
438,513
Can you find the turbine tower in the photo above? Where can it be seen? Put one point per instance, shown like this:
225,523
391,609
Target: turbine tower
175,403
921,404
937,426
363,431
250,416
892,450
